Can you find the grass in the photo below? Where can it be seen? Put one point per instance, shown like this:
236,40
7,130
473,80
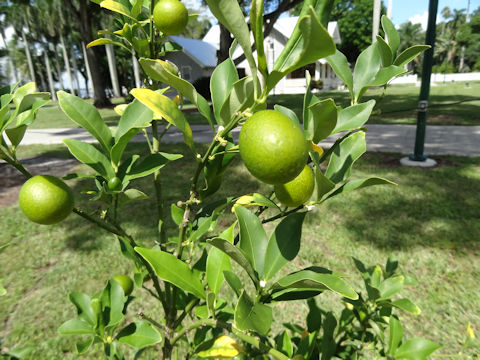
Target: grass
450,104
429,222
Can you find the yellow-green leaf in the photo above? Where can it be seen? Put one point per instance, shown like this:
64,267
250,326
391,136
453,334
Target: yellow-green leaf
223,347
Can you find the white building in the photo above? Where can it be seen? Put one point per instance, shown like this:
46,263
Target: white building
199,57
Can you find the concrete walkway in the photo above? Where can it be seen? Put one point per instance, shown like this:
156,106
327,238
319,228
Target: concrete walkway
440,140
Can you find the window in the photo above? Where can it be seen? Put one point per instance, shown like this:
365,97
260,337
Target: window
300,73
186,72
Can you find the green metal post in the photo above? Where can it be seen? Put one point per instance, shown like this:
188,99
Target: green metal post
418,154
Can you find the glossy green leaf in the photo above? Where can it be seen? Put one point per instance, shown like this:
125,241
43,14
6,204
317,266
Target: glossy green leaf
218,262
284,244
29,100
390,287
416,349
395,335
308,279
157,70
27,117
177,214
89,155
3,116
392,34
117,7
169,268
84,309
22,91
135,117
221,83
324,120
236,254
306,346
376,276
287,112
106,41
137,8
329,345
366,67
407,305
385,52
149,164
314,317
359,184
253,239
309,42
339,64
76,327
229,13
256,23
240,98
250,316
87,116
284,344
113,301
139,334
20,352
409,54
234,282
295,294
83,346
15,135
344,156
166,108
386,74
131,195
323,184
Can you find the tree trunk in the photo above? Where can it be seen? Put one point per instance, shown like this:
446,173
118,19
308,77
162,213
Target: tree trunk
29,57
136,72
75,70
112,67
67,65
89,74
10,60
84,21
57,65
226,41
50,77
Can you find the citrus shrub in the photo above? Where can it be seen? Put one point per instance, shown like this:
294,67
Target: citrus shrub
188,272
45,199
298,191
170,16
273,147
125,282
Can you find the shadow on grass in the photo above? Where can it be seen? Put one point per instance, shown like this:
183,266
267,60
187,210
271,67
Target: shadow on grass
430,208
139,217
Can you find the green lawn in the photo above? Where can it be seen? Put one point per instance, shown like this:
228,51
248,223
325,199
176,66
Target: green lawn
430,222
450,104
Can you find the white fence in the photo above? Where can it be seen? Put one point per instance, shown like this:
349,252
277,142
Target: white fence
456,77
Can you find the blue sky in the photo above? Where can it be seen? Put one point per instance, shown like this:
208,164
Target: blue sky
417,10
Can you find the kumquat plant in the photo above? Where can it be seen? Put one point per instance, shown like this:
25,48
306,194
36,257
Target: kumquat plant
219,286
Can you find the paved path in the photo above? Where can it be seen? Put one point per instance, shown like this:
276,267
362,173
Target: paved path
440,140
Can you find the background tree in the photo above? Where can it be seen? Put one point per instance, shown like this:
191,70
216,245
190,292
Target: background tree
85,12
469,36
411,34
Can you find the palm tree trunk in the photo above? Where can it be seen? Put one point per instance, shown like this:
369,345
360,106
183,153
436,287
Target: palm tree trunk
10,60
136,72
57,65
85,26
67,65
75,70
50,77
89,73
29,57
112,67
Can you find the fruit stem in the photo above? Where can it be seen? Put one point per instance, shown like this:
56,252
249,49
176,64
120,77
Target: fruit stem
283,214
152,31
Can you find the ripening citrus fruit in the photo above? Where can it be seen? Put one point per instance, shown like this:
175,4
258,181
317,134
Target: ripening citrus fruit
115,184
297,191
170,16
125,282
45,199
273,147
